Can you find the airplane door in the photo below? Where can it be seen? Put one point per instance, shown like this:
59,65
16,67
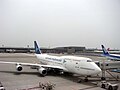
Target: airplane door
64,62
77,66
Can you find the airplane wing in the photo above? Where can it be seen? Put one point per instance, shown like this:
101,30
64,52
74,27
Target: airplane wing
34,65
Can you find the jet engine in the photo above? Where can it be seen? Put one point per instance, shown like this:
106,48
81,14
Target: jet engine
19,67
42,71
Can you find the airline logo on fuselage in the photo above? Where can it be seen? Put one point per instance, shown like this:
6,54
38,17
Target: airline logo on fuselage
53,59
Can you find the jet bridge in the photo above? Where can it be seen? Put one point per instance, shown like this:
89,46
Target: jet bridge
107,66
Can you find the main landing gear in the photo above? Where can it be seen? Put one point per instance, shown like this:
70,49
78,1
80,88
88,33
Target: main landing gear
83,80
103,78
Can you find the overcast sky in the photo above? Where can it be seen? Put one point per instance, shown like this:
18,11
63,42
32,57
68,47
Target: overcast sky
52,23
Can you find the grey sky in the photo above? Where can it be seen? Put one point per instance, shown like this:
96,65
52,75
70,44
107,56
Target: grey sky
54,23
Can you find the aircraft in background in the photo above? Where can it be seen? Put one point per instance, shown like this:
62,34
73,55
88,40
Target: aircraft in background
115,57
70,64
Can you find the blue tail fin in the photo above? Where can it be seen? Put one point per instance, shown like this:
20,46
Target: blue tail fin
105,52
37,49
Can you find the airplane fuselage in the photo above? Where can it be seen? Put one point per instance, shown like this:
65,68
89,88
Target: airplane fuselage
113,57
72,64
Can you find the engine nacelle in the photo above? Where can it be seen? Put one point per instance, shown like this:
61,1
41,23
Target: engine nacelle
19,67
42,71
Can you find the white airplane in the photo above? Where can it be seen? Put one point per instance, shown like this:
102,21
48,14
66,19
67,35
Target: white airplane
71,64
115,57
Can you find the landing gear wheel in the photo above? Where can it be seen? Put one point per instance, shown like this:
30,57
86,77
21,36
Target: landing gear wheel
86,80
103,78
79,81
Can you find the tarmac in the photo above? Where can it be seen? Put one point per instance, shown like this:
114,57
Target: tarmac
28,78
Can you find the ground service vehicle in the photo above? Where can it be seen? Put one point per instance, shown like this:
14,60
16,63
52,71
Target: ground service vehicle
108,86
1,86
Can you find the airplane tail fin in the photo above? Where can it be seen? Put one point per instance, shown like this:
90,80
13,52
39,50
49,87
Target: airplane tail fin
37,49
105,52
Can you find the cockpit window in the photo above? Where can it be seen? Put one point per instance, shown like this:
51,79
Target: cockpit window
89,61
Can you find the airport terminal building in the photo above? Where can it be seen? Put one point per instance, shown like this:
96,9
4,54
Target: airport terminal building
69,50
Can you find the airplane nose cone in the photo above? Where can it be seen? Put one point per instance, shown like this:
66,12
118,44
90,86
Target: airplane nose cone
98,70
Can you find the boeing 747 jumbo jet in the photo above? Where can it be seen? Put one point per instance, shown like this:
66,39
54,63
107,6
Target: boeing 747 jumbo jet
115,57
71,64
